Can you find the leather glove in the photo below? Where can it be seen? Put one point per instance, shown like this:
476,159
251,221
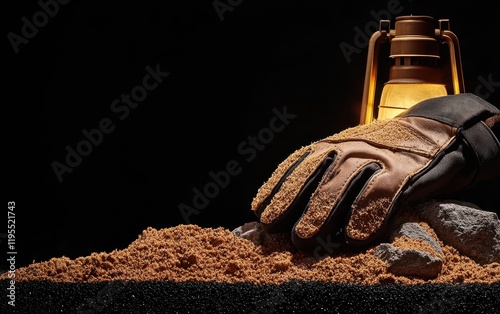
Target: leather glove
347,186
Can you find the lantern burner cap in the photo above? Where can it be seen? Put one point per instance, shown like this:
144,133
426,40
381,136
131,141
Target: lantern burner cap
415,36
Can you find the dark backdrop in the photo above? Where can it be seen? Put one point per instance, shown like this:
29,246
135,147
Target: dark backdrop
231,76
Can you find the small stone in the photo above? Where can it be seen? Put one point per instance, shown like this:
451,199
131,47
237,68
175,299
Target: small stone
409,262
412,261
252,231
413,230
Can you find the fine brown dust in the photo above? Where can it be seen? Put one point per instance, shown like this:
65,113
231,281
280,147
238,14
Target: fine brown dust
192,253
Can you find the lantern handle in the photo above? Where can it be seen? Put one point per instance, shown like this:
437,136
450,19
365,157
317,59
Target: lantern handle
367,103
456,61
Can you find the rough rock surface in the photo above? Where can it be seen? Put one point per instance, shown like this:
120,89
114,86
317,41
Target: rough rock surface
473,232
412,252
414,231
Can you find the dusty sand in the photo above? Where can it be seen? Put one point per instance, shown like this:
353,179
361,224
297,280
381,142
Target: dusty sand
191,253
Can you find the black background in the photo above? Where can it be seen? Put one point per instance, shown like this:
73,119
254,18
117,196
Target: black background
226,77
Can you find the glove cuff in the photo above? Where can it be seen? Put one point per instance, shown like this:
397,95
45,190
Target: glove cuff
477,123
494,124
460,111
486,147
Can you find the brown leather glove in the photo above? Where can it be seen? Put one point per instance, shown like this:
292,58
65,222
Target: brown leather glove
347,186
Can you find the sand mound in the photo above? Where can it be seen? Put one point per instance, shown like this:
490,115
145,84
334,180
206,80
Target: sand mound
191,253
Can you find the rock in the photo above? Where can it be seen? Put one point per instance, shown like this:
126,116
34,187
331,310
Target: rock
409,262
473,232
412,260
413,230
252,231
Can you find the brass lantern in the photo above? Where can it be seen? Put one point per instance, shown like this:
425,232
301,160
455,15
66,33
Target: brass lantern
426,63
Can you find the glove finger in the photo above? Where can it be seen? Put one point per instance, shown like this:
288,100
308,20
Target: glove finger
274,183
327,211
282,202
371,210
289,217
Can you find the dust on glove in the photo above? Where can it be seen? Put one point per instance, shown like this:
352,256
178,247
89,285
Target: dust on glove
348,186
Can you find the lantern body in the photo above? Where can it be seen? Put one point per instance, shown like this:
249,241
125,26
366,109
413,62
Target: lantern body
420,70
396,98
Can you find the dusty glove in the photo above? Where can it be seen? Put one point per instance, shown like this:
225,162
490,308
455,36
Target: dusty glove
347,186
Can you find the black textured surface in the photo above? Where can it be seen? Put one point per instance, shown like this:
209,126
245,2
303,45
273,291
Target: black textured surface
290,297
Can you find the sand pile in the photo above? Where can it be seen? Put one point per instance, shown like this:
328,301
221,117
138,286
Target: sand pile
191,253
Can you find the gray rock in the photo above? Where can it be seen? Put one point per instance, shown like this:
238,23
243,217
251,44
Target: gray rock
413,230
404,262
473,232
412,262
252,231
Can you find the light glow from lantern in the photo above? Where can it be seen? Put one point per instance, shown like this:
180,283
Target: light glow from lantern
397,97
